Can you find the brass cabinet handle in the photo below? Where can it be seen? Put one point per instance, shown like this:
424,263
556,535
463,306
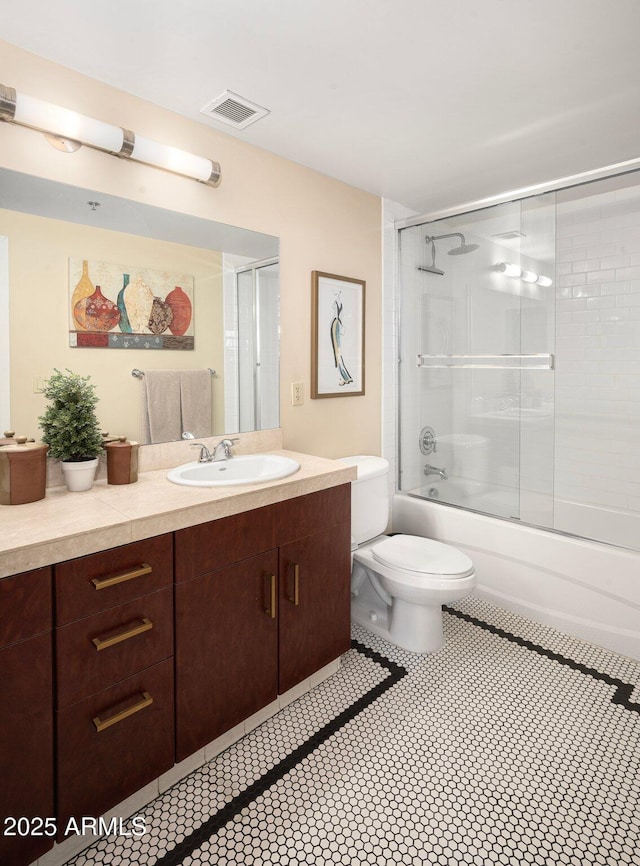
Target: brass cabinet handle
102,724
104,582
295,598
100,643
271,609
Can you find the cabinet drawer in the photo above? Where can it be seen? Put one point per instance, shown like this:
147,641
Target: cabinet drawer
299,517
97,651
94,583
115,742
209,546
25,605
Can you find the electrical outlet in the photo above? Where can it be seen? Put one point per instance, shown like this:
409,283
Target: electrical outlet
297,394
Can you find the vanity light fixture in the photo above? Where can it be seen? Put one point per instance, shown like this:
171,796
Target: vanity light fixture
509,270
518,273
528,276
69,130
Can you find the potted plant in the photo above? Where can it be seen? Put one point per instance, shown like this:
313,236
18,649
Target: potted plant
70,427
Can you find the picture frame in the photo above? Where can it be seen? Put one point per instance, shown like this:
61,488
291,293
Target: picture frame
337,336
125,306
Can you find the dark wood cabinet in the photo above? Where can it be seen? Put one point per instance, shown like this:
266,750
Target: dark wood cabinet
314,603
271,608
159,647
114,671
26,719
226,649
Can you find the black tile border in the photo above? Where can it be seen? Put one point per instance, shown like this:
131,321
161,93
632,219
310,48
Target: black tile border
195,839
623,691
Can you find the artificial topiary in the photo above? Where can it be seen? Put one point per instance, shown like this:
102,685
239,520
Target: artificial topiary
70,425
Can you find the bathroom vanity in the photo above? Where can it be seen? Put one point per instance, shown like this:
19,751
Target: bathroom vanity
122,662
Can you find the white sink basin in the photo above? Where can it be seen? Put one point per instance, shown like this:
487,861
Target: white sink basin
245,469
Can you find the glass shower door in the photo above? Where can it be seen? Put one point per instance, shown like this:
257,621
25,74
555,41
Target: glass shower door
476,354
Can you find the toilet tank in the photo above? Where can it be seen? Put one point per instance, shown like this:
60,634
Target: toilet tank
369,497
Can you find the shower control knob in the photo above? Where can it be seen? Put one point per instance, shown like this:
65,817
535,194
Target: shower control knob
427,441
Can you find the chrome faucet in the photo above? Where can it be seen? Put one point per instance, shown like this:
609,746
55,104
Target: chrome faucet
205,455
433,470
222,450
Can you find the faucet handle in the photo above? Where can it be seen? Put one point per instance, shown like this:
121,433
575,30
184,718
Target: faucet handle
226,444
205,454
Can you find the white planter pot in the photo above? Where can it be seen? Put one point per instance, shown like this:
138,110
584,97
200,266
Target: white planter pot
79,476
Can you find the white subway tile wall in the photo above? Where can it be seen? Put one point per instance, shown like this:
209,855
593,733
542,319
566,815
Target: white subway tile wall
597,398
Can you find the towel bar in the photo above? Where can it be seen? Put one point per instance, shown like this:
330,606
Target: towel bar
138,374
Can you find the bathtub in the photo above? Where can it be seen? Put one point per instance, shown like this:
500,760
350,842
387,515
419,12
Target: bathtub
583,588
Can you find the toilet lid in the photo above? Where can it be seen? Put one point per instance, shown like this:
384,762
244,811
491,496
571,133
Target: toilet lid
414,553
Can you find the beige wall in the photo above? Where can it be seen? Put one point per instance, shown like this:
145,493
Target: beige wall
322,225
39,252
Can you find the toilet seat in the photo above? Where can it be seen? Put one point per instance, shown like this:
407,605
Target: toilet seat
423,555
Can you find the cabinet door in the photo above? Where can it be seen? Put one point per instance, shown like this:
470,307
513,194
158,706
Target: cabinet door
26,746
226,649
315,599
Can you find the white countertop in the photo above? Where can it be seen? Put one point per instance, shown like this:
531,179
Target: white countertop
64,525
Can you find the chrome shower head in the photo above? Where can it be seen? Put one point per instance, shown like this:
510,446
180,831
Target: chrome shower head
463,249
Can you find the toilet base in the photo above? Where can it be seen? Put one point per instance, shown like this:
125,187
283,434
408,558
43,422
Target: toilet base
411,627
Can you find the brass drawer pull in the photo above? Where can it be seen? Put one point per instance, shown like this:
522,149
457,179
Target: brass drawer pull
271,609
100,643
103,724
104,582
295,598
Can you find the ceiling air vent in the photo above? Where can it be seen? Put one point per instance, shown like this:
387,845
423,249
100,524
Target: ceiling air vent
234,110
509,236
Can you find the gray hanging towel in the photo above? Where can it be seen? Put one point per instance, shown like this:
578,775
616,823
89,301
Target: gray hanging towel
195,399
161,408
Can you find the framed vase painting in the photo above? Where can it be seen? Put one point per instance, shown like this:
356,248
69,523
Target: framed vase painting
121,306
337,336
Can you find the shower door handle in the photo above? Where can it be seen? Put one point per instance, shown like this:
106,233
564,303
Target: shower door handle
533,361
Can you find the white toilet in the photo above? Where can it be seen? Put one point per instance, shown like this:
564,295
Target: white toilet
399,582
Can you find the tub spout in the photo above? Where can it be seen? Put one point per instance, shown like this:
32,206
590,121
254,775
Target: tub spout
433,470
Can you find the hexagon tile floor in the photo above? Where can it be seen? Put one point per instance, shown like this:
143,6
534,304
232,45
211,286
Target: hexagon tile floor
514,744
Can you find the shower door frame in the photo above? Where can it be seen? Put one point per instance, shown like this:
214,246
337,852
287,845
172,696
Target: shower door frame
253,268
615,170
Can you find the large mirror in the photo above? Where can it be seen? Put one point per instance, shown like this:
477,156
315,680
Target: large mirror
46,227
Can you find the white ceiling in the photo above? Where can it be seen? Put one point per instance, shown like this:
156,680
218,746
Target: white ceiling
430,103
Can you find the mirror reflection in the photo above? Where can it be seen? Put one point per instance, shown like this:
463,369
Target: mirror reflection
46,228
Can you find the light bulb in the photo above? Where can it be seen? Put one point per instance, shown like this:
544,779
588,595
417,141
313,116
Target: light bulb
510,270
67,124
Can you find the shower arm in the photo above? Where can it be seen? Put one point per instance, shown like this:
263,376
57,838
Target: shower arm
433,238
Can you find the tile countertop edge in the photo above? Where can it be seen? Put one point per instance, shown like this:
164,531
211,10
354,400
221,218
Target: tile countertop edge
115,523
